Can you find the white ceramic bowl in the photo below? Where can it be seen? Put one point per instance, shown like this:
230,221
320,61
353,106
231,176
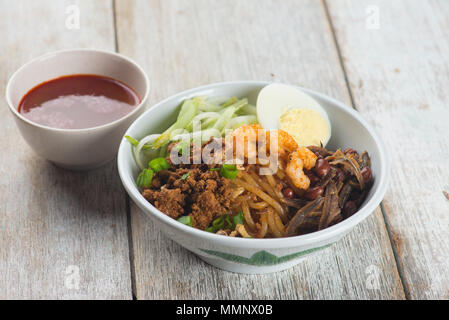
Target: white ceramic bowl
76,148
256,255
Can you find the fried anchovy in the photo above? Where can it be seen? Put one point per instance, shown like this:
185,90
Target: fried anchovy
352,166
330,206
322,151
344,194
295,203
300,215
365,160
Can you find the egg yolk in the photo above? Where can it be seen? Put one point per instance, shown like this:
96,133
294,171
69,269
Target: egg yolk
306,126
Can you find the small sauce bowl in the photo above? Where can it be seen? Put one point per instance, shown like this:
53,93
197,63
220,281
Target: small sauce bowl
77,149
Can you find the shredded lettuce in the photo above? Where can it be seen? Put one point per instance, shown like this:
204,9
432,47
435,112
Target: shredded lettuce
135,142
236,122
228,114
214,114
189,110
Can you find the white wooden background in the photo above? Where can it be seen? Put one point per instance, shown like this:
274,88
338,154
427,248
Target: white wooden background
388,59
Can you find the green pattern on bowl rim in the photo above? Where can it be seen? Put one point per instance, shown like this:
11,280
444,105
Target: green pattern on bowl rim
262,258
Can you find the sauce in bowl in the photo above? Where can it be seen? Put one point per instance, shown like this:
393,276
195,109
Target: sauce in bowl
78,102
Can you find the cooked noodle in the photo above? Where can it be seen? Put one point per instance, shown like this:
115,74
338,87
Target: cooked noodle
247,215
258,192
279,223
264,185
249,179
257,205
268,211
273,185
263,226
272,226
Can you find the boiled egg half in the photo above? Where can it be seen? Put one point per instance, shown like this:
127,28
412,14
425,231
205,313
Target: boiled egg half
285,107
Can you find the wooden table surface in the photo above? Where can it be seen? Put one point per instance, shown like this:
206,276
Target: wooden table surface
67,235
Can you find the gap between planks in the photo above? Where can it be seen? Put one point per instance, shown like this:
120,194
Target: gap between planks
127,199
399,270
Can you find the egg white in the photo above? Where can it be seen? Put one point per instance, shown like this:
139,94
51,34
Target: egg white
275,99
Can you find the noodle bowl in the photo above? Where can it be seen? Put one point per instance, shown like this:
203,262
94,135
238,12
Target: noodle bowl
256,255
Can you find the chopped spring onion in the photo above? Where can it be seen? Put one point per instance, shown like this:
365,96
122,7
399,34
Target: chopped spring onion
159,164
226,221
238,218
222,222
229,171
187,220
219,222
144,179
185,176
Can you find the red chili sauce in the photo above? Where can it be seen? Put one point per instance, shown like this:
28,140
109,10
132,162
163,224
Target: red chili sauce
78,101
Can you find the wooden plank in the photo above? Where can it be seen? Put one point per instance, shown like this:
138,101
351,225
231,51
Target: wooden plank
399,75
185,44
56,224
